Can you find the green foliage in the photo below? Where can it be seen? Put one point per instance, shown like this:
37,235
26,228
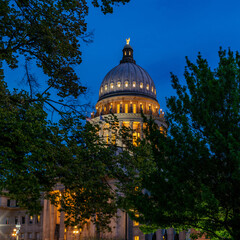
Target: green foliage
191,177
67,162
36,155
50,32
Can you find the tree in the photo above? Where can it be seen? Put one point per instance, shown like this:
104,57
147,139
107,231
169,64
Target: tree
48,32
66,162
190,176
36,153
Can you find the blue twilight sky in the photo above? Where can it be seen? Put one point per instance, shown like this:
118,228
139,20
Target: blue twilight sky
162,33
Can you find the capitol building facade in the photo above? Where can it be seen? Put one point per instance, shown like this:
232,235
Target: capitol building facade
126,91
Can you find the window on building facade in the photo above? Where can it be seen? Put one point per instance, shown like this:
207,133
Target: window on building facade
152,89
135,223
38,236
23,220
136,237
105,87
126,124
147,87
118,108
8,203
134,84
119,84
101,89
38,218
22,235
30,219
111,86
113,139
126,84
136,132
134,108
141,85
126,108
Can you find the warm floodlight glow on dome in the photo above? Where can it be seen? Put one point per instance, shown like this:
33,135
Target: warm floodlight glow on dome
128,77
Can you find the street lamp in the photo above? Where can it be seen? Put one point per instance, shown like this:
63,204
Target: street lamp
16,231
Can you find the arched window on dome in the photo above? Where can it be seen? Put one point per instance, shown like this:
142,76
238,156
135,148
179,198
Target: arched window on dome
129,53
111,85
152,88
141,85
155,91
147,87
126,84
119,84
125,53
106,87
134,84
101,89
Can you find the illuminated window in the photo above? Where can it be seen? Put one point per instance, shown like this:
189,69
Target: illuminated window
126,108
105,109
147,87
111,86
141,85
152,89
113,139
30,219
126,124
125,53
119,84
38,218
134,108
101,89
118,108
135,223
107,139
136,237
129,53
105,87
126,84
155,91
134,84
136,132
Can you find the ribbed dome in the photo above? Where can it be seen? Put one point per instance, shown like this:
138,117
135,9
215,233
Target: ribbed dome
127,79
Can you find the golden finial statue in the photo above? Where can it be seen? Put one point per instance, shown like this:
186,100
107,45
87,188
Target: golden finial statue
127,41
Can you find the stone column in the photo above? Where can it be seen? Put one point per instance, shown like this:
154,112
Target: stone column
170,233
159,234
62,226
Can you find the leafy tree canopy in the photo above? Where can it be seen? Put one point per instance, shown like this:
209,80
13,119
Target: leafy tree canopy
49,32
190,178
36,155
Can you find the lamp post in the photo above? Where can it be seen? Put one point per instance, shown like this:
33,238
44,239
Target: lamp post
75,232
16,231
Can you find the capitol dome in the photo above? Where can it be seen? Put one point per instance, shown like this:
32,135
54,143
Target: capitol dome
128,91
127,79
